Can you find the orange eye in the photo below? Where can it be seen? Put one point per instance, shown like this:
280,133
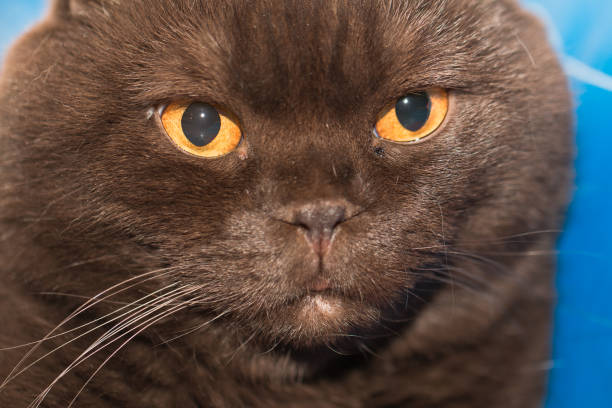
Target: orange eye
414,116
199,129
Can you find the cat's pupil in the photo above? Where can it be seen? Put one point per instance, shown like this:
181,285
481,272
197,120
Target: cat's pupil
201,123
413,110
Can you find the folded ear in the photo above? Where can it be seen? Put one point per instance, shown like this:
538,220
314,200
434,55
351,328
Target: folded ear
66,8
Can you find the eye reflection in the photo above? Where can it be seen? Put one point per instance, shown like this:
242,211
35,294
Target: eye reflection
414,116
200,129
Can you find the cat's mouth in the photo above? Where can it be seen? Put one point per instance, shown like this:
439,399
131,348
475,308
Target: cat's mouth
318,284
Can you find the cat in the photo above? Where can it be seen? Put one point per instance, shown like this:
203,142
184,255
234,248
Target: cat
265,203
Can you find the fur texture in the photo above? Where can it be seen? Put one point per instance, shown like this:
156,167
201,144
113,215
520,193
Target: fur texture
439,278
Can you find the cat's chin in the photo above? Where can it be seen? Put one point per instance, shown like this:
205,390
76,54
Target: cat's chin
324,318
318,307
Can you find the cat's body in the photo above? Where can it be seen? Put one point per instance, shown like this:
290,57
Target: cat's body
435,289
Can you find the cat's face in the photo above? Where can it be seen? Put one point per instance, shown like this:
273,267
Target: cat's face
313,225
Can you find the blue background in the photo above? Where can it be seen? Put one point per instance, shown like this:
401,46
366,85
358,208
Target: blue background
581,30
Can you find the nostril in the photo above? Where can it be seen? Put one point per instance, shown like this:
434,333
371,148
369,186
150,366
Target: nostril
319,222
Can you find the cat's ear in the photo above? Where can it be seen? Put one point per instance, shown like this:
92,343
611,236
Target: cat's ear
66,8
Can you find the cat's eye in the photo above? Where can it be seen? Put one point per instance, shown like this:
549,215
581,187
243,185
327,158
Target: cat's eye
200,129
414,116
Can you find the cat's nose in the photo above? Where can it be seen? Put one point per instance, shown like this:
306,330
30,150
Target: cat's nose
319,222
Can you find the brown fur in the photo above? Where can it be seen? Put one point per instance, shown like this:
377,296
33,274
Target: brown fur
441,273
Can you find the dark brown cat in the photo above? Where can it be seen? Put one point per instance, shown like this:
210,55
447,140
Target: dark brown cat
264,203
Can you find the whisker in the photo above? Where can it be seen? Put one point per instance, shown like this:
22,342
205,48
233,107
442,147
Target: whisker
451,280
271,349
85,262
136,315
126,304
87,305
198,327
211,303
521,253
501,240
483,259
72,295
242,345
336,351
412,293
451,272
148,324
97,346
363,347
130,312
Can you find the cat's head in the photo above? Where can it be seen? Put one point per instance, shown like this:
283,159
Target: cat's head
313,216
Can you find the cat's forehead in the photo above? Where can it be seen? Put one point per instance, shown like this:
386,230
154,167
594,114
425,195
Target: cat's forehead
278,54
